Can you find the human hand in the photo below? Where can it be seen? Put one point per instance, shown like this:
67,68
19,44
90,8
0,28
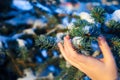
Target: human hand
96,69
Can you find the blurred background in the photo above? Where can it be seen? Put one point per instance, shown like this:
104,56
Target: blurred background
21,21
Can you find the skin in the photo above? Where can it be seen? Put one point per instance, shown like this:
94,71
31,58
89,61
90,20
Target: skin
96,69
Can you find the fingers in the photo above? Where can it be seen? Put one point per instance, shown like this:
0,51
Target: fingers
105,49
74,61
68,47
61,47
71,51
62,50
89,65
77,60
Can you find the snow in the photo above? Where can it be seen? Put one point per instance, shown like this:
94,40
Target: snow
21,42
87,29
3,38
43,7
116,15
86,16
22,19
16,36
29,31
1,45
29,75
59,37
70,26
22,4
77,41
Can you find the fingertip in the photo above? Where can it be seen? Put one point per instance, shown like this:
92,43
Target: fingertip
59,43
60,46
105,48
64,37
101,40
67,36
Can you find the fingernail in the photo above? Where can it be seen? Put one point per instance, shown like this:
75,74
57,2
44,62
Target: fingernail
101,40
67,36
64,37
101,37
58,43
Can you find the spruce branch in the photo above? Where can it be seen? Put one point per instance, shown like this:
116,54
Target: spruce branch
77,30
83,28
17,69
70,73
113,25
116,42
81,23
2,51
45,42
98,14
23,53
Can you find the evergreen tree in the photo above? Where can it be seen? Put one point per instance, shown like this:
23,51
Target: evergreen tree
84,38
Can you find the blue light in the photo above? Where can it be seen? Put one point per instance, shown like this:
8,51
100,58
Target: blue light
86,78
55,70
55,53
29,42
51,68
44,53
39,59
